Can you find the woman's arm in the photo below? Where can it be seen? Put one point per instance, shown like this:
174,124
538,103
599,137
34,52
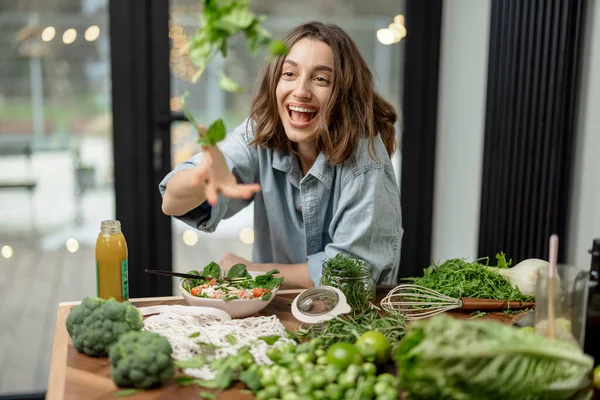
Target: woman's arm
187,189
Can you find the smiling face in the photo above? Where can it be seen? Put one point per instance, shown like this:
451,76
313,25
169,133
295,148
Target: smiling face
304,88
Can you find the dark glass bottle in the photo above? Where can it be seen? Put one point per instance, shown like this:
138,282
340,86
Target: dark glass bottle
592,323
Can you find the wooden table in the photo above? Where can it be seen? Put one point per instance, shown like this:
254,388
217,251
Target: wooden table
77,376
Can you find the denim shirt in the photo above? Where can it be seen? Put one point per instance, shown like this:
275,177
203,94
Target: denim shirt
352,207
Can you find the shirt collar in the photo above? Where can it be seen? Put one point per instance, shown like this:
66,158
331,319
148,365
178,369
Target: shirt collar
288,163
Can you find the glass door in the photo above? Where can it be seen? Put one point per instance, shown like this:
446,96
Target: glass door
193,249
56,172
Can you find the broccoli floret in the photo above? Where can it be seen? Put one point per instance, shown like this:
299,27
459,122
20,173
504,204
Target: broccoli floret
96,324
141,360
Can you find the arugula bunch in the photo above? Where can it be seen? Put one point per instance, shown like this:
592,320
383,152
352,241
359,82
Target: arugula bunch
460,278
219,22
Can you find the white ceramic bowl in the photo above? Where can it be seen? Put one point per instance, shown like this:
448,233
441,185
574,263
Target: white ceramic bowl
240,308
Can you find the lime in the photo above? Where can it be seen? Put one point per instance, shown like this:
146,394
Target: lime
373,341
342,355
597,377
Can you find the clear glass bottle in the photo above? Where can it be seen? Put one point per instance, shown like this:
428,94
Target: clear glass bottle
112,269
354,279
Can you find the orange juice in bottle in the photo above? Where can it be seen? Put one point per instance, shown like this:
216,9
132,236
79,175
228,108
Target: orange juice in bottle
111,262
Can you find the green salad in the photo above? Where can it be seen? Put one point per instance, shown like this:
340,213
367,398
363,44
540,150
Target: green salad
213,286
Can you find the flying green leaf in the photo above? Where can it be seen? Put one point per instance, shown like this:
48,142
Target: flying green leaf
228,84
214,134
278,48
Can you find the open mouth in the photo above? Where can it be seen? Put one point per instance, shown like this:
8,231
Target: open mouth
301,115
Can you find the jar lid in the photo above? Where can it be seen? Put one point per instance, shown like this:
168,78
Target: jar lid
318,304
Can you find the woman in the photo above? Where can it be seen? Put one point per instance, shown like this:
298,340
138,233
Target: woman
314,156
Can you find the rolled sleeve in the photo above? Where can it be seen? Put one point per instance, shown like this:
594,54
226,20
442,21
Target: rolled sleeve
369,225
241,162
315,266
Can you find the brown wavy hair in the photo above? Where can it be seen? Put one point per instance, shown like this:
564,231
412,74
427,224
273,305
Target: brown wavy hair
353,110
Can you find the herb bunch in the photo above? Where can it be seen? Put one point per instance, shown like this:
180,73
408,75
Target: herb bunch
349,327
352,276
459,278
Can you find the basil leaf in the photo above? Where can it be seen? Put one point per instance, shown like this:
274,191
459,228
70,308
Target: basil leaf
212,270
193,362
214,134
270,340
238,271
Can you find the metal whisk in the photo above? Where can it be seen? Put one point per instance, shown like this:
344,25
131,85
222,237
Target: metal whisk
418,302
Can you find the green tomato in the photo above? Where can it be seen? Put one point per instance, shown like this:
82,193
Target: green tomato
342,355
319,395
374,341
320,353
322,360
597,377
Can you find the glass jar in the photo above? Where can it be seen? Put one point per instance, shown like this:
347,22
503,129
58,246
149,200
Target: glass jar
353,277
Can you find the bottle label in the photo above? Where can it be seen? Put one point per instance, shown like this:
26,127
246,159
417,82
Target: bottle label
125,280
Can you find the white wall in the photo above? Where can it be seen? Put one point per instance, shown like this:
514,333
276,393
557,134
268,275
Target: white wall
584,224
461,118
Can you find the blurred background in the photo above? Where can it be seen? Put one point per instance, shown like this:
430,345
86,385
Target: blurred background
498,138
57,169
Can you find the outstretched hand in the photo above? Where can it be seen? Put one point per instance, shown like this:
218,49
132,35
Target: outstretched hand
217,178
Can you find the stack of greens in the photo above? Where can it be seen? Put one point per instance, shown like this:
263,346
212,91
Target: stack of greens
459,278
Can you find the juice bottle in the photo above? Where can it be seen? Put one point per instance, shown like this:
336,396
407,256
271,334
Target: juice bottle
111,262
